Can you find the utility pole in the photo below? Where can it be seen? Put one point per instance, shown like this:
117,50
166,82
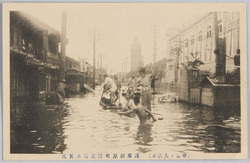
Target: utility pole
122,66
94,61
154,35
126,64
97,65
63,46
80,63
101,60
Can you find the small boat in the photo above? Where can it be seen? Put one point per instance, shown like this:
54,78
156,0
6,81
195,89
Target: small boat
155,93
105,104
136,92
112,107
168,99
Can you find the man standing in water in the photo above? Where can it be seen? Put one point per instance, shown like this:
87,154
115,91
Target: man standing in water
60,90
145,83
133,83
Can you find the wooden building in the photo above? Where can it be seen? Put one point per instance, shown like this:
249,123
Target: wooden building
34,58
72,76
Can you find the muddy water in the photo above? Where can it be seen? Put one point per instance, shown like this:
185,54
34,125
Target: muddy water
80,125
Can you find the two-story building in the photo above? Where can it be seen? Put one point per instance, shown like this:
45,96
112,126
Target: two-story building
34,58
72,75
211,39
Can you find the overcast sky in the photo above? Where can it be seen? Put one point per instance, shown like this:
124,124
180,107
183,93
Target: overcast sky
116,26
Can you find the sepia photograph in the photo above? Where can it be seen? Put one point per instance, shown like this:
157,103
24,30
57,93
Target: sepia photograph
124,81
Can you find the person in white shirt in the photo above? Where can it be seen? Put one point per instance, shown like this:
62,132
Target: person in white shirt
145,83
109,85
133,83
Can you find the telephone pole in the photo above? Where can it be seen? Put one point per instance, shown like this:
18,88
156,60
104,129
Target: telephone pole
154,35
63,46
101,60
94,61
126,65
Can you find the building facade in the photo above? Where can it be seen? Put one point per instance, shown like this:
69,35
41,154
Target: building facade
212,41
72,75
199,39
136,56
34,58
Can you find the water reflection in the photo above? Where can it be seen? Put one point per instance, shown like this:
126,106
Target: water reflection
144,137
81,124
206,130
39,130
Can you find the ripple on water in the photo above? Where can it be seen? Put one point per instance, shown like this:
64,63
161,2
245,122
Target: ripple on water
84,125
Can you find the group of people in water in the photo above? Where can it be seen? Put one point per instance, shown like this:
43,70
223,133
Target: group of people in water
142,110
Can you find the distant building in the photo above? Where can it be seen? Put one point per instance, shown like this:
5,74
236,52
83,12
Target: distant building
136,56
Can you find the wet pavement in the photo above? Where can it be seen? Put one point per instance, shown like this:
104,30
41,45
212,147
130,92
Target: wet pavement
81,125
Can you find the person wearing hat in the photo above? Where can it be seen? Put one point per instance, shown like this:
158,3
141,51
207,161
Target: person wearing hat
237,58
145,83
60,90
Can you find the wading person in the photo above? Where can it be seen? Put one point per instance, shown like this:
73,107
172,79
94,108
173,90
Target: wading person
110,85
60,90
133,84
130,105
145,83
118,90
142,113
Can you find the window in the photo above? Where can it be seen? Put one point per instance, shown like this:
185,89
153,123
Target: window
220,25
19,86
186,42
42,82
192,40
171,67
52,44
195,73
209,33
199,36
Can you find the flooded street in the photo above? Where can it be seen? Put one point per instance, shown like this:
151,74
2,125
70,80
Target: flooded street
63,70
81,125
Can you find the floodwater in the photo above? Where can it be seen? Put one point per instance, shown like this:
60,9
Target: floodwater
81,125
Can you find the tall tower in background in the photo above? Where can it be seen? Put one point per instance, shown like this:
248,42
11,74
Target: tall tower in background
136,56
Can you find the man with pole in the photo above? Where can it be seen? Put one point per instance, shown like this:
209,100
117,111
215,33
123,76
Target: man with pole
145,83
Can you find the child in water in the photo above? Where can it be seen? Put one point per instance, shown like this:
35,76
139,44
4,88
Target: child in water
130,102
141,111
